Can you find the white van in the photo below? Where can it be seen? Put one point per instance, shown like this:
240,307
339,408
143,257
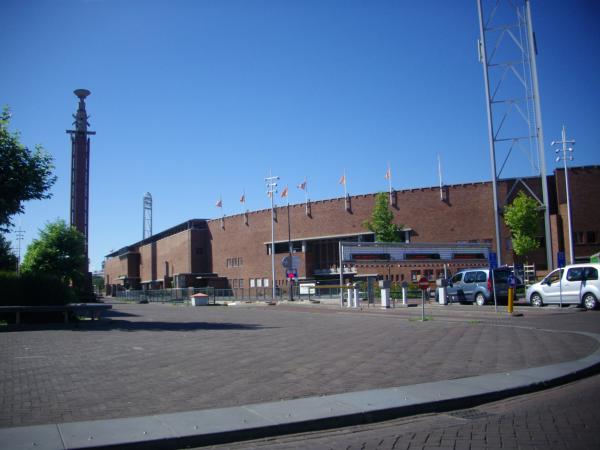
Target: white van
576,284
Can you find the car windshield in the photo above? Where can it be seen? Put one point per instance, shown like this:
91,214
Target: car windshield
553,277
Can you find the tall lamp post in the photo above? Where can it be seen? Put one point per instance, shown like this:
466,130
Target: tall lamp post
271,191
561,153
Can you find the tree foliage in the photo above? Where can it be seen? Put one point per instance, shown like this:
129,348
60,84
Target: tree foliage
58,252
523,219
24,175
382,221
8,260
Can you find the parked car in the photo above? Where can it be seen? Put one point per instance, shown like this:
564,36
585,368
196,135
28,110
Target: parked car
577,284
475,285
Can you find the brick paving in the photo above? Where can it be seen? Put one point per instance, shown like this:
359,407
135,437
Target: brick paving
561,418
163,358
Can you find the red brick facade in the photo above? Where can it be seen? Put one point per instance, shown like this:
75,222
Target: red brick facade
236,247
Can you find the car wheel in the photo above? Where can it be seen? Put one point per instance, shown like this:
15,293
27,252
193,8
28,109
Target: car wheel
480,299
589,301
536,300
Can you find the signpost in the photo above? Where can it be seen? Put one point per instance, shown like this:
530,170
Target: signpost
423,285
494,265
291,273
560,262
512,284
291,264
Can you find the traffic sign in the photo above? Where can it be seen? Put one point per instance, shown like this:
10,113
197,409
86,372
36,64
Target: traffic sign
292,263
291,273
493,260
423,283
560,259
512,281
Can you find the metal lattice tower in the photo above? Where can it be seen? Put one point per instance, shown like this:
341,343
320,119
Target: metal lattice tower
80,169
507,51
147,215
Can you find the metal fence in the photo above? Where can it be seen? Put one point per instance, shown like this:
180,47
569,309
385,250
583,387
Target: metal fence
264,294
181,295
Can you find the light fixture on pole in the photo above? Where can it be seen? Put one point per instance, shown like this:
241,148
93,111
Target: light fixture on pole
271,191
19,234
561,153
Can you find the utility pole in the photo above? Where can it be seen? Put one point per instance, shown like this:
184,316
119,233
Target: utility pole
20,232
271,191
564,157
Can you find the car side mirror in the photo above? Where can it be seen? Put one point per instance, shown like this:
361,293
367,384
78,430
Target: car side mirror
449,283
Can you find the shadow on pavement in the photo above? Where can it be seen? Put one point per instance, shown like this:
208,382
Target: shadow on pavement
125,325
115,313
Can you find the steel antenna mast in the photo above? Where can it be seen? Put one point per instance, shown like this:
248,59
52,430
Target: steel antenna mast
507,51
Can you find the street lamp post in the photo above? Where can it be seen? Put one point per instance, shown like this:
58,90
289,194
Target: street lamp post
561,153
271,191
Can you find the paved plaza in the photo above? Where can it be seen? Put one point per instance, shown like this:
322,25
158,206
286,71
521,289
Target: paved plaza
160,358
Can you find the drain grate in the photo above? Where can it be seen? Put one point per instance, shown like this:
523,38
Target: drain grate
470,414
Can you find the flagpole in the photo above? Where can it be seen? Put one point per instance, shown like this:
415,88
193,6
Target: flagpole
389,177
440,176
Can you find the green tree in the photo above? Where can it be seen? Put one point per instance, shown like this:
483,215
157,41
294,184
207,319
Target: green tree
382,221
24,175
523,218
98,283
58,252
8,260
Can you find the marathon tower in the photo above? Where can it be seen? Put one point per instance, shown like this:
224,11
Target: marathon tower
80,170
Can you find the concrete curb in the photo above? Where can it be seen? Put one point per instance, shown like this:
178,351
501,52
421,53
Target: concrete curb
216,426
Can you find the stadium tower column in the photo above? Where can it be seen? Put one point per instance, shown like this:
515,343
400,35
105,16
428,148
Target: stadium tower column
80,173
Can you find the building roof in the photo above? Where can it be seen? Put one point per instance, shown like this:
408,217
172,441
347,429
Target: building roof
197,224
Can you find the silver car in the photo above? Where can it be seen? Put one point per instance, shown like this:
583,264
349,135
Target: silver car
475,285
576,284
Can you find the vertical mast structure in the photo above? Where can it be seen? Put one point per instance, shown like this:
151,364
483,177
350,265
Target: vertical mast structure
507,53
80,169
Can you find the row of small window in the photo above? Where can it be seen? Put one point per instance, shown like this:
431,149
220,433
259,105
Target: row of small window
585,237
234,262
259,282
237,283
427,273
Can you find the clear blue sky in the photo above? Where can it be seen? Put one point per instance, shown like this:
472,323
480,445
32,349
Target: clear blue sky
196,100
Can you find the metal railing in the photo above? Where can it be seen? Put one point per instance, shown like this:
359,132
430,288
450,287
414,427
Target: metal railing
181,295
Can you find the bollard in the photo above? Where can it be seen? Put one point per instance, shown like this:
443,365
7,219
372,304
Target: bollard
385,298
511,295
356,300
442,296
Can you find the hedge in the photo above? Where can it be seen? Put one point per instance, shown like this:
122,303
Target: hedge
33,290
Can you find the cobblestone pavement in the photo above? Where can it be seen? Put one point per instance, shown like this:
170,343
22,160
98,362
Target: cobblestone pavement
163,358
561,418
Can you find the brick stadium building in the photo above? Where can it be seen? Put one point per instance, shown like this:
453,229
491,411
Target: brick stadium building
234,251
